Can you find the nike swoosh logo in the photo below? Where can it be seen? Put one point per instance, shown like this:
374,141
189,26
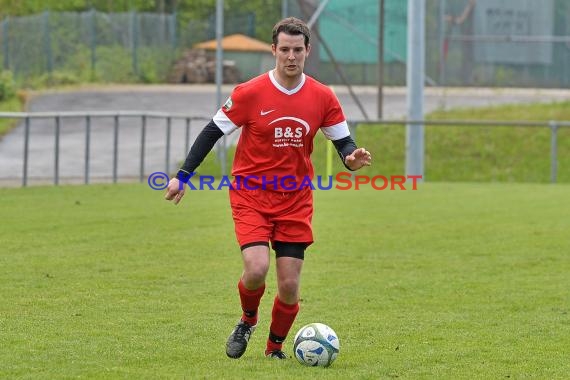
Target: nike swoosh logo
263,113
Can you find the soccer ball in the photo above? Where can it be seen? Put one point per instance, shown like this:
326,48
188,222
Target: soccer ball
316,344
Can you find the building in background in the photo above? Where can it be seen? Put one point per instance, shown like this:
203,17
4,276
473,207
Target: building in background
251,57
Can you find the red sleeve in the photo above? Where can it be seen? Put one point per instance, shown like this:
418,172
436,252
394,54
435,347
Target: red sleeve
237,107
333,111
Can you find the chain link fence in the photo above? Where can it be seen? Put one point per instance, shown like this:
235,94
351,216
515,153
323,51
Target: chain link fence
495,43
89,46
510,43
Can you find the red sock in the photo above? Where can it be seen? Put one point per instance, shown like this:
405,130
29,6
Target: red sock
250,300
282,318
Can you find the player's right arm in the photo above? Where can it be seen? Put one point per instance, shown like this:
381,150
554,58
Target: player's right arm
200,149
234,112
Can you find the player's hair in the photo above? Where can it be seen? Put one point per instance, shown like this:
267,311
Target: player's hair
292,26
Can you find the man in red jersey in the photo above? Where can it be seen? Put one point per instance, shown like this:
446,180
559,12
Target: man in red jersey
279,114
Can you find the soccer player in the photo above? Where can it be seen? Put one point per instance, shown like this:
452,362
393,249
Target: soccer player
279,114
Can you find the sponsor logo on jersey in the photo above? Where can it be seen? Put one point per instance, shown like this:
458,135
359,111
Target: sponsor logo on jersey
290,132
263,113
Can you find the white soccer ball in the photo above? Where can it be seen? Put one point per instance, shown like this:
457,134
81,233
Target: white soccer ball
316,344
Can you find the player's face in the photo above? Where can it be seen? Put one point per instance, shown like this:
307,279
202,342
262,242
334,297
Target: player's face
290,53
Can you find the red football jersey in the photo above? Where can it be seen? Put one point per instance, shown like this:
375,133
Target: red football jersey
278,127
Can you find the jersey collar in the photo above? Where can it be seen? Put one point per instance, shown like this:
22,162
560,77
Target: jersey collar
283,89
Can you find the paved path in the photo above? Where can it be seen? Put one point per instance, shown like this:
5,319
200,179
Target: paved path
190,100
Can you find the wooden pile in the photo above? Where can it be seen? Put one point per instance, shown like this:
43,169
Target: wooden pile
197,66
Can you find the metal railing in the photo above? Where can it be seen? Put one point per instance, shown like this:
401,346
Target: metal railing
169,117
553,125
88,116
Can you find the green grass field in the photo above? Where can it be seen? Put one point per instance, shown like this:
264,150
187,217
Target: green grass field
452,281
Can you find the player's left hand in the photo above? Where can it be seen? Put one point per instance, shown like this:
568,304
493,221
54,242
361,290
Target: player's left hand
359,158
